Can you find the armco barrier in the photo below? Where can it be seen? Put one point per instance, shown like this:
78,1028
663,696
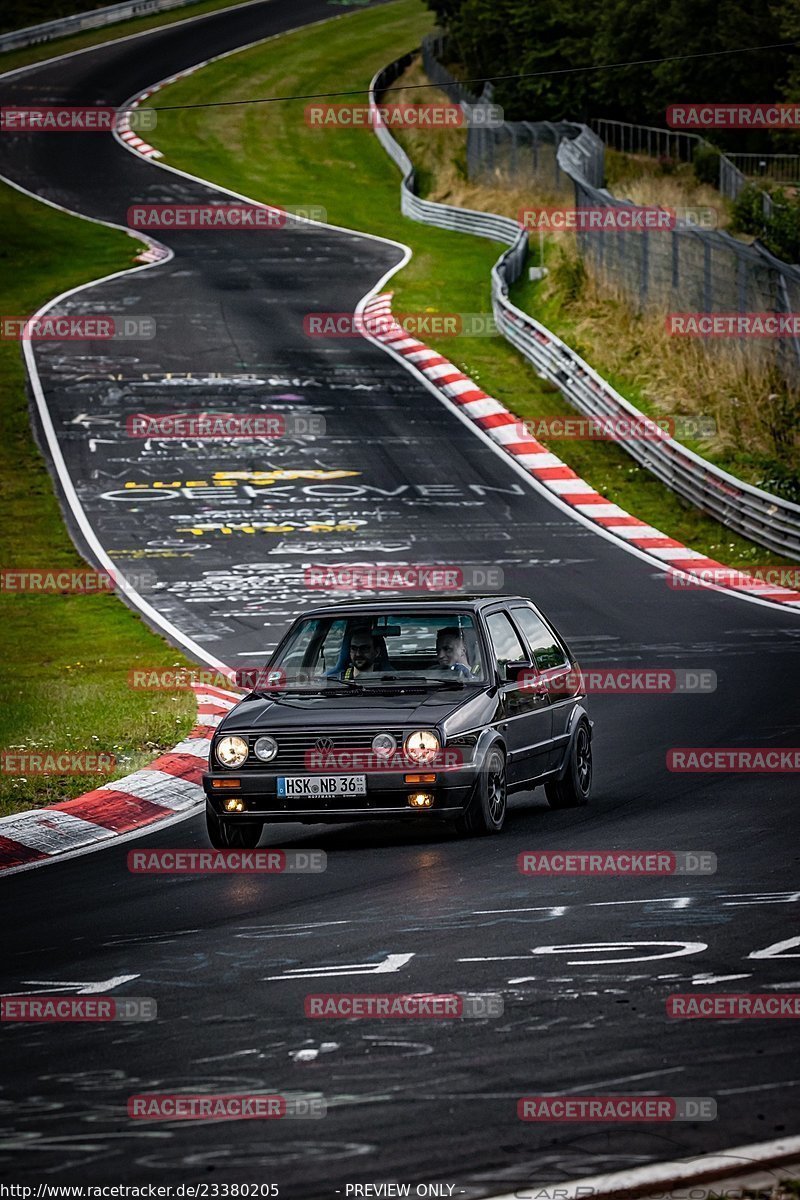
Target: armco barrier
48,30
686,267
769,520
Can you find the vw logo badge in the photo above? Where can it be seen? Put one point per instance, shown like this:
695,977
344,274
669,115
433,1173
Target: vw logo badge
323,743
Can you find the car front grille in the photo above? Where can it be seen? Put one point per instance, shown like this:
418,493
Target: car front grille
294,745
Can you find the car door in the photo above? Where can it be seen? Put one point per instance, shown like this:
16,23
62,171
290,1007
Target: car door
543,647
526,721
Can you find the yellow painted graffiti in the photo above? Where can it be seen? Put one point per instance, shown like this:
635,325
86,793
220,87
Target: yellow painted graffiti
311,527
232,478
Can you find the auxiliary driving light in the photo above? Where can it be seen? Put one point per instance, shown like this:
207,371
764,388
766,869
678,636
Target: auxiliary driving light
421,799
266,748
234,805
384,744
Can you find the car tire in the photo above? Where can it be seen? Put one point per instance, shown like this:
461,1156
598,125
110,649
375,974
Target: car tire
486,811
232,835
575,788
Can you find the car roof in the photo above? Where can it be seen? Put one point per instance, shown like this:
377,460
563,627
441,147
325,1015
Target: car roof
471,603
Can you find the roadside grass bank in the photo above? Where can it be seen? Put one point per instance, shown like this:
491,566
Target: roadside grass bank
757,416
648,180
66,658
270,153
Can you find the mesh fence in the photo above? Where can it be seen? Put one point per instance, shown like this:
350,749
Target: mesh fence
515,152
683,269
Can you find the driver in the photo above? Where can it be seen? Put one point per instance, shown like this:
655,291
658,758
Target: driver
451,651
366,653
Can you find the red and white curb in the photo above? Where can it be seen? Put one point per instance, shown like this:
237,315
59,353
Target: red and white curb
507,431
154,253
167,787
128,136
133,140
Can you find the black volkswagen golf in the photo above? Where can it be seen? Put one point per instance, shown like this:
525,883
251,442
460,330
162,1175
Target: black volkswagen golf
398,708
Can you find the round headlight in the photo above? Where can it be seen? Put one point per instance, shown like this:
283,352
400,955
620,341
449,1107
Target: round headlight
384,744
422,745
266,748
231,751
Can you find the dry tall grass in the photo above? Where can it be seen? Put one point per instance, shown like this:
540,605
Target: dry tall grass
757,416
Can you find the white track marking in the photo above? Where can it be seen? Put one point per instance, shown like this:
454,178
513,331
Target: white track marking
684,948
709,977
603,1083
95,988
777,949
391,964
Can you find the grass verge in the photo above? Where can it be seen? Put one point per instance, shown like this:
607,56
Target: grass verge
65,657
271,154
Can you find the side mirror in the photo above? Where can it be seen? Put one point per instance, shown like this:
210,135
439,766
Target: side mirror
515,669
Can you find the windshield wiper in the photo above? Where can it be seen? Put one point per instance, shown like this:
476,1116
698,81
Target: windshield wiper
420,679
296,690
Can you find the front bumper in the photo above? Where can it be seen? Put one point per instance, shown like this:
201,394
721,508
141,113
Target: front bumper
386,798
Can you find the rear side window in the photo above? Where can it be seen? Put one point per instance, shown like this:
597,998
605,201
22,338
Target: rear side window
505,643
544,648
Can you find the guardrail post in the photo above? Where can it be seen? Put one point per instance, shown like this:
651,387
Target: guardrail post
676,259
741,284
707,282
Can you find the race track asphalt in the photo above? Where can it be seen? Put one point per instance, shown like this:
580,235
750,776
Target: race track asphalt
414,1101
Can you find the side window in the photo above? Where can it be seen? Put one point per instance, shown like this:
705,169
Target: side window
331,646
545,650
295,655
505,643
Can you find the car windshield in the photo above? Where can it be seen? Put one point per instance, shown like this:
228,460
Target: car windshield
380,650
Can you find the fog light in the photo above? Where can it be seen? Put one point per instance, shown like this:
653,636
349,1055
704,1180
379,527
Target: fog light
420,778
420,799
234,805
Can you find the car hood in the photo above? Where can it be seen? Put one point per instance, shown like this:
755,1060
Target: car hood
259,712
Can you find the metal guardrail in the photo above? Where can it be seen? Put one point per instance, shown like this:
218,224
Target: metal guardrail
675,143
49,30
445,216
670,143
769,520
780,168
688,267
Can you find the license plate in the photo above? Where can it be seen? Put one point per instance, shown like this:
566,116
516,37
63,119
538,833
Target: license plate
322,785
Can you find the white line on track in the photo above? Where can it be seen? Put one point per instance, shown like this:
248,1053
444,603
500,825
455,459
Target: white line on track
127,37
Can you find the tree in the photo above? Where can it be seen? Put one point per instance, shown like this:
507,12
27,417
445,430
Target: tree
547,40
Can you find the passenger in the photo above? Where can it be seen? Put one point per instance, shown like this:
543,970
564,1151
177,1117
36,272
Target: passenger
451,651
